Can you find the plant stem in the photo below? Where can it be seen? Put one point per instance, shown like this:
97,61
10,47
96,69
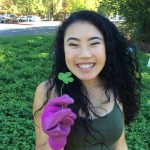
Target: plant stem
61,92
61,89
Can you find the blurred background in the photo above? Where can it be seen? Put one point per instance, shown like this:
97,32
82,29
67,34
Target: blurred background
134,16
27,31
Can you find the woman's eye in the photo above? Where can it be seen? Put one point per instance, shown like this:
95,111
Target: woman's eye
72,44
95,43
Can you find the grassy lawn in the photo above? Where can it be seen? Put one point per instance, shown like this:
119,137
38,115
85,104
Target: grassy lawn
24,63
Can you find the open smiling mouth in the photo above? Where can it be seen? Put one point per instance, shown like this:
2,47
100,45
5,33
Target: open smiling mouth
86,66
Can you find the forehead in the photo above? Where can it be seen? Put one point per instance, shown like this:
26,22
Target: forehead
82,30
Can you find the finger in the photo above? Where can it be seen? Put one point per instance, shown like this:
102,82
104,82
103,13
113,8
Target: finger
72,115
63,100
59,130
56,118
68,121
51,109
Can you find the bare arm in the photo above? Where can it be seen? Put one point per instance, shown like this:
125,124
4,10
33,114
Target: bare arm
41,138
39,98
121,143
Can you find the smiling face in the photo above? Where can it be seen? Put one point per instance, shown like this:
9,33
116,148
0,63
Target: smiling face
84,49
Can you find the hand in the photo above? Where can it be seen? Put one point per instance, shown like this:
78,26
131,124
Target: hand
57,121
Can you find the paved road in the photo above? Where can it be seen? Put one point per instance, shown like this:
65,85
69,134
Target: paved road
28,28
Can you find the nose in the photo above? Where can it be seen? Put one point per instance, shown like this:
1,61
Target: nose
85,53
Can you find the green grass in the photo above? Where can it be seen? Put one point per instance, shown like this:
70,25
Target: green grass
138,133
24,63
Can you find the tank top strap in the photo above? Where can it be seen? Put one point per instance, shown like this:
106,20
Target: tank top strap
118,105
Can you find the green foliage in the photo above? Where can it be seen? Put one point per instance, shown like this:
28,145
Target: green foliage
56,8
27,7
136,14
108,7
24,63
23,6
138,132
76,5
53,6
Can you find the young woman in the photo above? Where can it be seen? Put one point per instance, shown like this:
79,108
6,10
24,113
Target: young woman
104,96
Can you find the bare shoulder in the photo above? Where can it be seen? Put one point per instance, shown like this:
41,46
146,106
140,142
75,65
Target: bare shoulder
42,87
119,104
40,95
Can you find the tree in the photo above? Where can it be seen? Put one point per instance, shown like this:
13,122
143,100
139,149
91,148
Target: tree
75,5
109,7
52,6
29,6
8,6
136,14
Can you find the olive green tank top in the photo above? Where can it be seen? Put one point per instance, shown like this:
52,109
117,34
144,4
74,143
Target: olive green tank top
110,129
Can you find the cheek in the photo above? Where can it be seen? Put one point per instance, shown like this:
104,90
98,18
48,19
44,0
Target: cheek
70,57
101,54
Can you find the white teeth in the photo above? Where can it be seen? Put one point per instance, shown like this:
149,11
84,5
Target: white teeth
85,66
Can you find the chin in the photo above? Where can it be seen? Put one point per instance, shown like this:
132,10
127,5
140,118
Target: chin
87,78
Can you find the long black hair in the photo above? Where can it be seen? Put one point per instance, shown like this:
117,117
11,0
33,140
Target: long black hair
121,72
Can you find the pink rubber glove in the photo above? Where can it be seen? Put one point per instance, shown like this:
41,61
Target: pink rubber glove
57,121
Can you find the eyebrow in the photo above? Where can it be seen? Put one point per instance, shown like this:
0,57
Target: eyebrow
93,38
72,38
76,39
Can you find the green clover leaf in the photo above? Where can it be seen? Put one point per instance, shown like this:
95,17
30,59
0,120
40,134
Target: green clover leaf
65,77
